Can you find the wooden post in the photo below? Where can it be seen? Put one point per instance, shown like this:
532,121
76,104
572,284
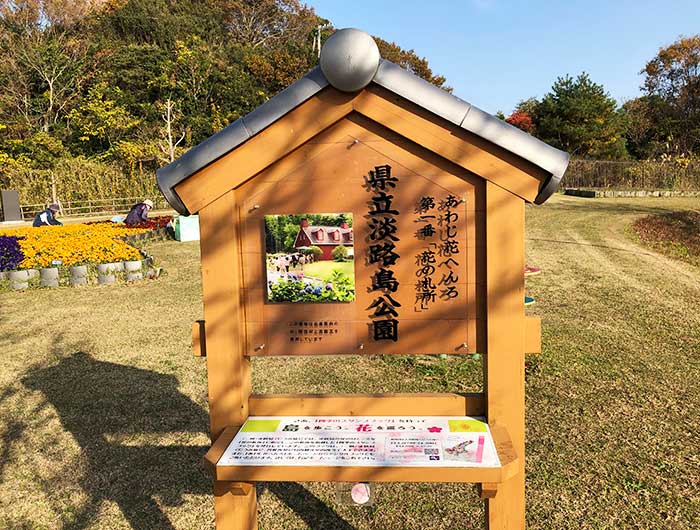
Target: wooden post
505,358
228,369
235,505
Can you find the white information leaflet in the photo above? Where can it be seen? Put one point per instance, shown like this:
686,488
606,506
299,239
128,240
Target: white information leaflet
401,441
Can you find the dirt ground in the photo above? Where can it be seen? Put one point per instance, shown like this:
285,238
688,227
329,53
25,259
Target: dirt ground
103,413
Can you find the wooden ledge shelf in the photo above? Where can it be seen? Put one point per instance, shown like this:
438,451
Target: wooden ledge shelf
487,477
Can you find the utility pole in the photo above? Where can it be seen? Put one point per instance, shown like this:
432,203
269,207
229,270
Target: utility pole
316,46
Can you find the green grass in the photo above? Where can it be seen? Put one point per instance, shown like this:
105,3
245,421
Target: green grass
103,409
324,269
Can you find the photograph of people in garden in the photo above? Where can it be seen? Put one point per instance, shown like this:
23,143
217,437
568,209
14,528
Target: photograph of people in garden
310,258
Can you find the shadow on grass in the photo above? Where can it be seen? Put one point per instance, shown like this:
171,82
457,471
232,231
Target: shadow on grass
99,401
307,506
118,414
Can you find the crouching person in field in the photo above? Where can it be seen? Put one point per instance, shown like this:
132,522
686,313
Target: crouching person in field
48,217
138,213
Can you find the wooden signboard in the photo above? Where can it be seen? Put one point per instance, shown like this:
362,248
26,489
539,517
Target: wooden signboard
373,218
413,238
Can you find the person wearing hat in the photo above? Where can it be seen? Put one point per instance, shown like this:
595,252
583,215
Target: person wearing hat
48,217
138,213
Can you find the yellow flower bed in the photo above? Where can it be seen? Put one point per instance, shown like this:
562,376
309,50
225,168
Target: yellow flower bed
74,244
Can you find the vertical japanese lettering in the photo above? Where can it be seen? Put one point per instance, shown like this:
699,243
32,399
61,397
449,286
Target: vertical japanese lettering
448,248
436,222
383,237
426,260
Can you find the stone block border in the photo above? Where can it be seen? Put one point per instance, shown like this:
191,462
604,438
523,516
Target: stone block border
578,192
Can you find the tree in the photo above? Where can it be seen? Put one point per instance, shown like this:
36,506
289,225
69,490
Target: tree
672,86
158,22
47,13
170,117
109,87
44,69
650,131
102,118
269,23
578,116
409,60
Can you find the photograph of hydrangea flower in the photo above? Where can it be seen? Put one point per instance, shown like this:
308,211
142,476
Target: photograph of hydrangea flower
310,258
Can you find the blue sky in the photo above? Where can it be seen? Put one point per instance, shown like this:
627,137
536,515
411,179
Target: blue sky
496,52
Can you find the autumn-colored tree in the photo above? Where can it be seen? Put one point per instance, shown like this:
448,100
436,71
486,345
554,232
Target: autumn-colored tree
672,87
43,68
63,13
522,120
411,61
269,23
118,87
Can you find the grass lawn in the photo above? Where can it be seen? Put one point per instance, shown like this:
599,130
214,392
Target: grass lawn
103,412
324,269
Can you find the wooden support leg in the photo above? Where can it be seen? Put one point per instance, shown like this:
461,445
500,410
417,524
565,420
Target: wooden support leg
235,506
506,510
505,358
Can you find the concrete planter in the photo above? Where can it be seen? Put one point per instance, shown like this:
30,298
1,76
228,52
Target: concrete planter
133,270
105,273
32,274
105,279
78,275
19,280
48,277
111,268
132,266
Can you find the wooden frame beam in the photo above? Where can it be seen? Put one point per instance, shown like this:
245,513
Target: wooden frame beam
367,405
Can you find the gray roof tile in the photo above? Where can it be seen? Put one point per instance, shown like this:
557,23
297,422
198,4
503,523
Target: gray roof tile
398,81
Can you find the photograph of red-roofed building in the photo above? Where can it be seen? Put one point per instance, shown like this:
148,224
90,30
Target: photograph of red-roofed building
327,238
309,257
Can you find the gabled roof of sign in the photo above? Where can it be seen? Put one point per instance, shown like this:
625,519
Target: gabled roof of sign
349,62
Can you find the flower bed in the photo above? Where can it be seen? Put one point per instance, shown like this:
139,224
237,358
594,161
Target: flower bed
296,288
10,253
152,223
70,245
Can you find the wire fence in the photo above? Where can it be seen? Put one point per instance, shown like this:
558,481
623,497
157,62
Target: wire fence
632,175
115,205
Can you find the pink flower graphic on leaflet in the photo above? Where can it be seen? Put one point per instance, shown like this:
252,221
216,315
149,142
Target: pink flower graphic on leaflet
434,429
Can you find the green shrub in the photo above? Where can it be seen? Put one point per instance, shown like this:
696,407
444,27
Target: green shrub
340,253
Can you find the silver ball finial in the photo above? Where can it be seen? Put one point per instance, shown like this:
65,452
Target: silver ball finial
349,59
